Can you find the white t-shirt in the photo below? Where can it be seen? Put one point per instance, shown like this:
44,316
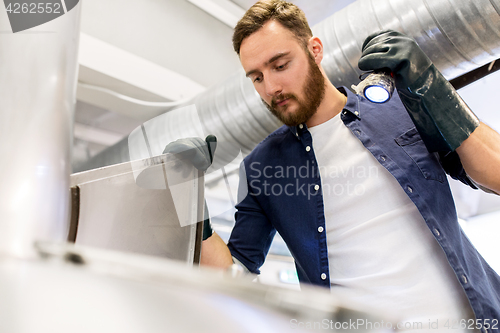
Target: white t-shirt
381,253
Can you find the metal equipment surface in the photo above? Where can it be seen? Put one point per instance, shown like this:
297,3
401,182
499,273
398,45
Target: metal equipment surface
37,92
151,206
81,290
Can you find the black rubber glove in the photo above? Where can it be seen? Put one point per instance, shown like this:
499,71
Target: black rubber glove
201,154
195,150
207,226
440,115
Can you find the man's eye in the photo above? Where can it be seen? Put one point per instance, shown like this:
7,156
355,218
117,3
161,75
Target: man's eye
257,79
282,67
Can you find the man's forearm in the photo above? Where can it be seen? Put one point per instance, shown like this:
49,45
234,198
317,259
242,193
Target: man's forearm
480,156
215,253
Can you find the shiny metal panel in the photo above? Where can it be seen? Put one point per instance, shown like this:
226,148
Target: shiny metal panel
38,70
82,290
148,206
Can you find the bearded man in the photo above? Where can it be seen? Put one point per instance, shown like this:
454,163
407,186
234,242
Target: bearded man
362,204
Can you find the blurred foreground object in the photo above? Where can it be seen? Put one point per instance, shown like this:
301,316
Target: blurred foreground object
82,290
38,74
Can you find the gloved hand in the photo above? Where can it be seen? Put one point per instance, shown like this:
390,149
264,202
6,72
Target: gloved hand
207,226
201,154
440,115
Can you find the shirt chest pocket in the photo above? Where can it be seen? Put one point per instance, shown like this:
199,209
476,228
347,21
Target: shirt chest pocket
427,163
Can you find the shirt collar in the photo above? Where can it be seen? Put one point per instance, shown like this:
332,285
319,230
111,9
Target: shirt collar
352,106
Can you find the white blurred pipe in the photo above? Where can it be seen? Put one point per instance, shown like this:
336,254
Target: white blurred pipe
38,75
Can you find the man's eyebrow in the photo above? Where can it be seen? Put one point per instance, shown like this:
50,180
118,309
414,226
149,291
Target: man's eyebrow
276,57
270,61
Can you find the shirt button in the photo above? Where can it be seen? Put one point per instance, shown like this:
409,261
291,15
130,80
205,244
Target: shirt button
297,134
345,112
464,279
356,113
320,229
308,148
358,132
316,187
382,158
436,232
323,276
301,126
409,189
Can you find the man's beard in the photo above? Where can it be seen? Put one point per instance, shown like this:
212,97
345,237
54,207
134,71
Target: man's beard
313,91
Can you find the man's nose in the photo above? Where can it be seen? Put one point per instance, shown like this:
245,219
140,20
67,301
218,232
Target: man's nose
273,87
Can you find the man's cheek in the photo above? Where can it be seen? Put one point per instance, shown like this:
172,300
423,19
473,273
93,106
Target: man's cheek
264,101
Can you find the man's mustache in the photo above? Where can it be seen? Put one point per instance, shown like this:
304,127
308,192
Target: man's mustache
282,97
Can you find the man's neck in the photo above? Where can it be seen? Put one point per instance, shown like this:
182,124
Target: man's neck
331,105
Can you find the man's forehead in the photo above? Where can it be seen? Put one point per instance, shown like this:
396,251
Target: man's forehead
270,30
262,46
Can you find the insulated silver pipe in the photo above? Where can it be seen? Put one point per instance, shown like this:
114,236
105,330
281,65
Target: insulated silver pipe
458,36
38,70
232,111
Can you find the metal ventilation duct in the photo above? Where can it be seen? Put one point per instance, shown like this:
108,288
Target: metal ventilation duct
458,36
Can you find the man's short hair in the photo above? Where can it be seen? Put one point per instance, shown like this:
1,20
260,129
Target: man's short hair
286,13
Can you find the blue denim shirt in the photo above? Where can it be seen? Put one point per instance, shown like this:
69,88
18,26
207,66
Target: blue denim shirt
284,195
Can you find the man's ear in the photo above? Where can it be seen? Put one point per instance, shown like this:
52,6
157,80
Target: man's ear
315,46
